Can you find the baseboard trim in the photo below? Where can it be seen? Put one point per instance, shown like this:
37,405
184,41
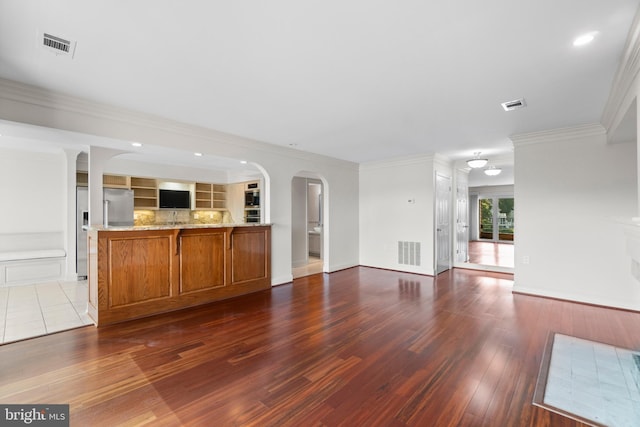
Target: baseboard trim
532,293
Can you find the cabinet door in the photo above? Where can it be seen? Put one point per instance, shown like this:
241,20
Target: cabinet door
202,260
139,269
250,258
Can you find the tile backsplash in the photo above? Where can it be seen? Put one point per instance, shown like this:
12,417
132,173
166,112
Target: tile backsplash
180,216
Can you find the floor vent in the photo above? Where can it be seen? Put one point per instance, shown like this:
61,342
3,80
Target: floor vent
514,105
58,45
409,253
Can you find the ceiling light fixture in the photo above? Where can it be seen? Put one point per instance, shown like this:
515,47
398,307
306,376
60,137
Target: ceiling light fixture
197,154
244,162
492,171
477,162
584,39
136,144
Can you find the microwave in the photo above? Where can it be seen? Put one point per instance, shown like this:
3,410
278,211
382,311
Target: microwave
252,215
252,198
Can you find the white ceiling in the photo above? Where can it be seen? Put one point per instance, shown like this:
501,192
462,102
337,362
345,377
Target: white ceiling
357,80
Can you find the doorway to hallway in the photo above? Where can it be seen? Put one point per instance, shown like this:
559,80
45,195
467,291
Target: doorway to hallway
495,254
308,225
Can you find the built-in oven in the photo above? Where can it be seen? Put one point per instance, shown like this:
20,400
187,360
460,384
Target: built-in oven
252,215
252,198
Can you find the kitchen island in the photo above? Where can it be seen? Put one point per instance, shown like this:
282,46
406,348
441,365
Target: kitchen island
136,272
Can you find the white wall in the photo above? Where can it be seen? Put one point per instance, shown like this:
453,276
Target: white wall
387,216
570,185
299,236
32,191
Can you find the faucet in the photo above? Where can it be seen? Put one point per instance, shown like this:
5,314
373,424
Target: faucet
173,217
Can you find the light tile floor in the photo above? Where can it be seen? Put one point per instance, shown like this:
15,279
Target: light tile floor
29,311
595,381
314,266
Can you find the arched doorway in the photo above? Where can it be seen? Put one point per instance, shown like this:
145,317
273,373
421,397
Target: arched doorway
308,225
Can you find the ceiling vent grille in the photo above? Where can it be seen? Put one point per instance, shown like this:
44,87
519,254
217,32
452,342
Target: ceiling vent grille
514,105
58,45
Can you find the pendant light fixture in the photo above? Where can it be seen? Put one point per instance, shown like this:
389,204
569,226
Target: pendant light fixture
492,171
477,162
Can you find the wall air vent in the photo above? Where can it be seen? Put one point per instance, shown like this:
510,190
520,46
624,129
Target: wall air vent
514,105
58,45
409,253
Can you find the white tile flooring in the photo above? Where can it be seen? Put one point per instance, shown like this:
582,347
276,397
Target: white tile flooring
32,310
314,266
595,381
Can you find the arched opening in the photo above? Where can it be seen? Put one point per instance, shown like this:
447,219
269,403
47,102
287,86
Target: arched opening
309,224
215,190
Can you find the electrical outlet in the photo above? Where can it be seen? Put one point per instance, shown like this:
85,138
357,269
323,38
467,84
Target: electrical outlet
211,215
525,259
196,216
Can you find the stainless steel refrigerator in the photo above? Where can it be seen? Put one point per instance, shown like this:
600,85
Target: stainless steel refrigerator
82,222
118,207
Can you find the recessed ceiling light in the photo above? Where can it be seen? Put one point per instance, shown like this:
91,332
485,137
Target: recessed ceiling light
244,162
584,39
136,144
197,154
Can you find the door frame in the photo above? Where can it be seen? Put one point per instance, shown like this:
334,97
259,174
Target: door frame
441,264
495,208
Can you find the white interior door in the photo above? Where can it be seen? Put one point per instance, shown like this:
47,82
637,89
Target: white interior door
462,219
443,223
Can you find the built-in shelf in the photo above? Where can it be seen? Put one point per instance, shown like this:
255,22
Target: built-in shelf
115,181
210,196
82,179
145,192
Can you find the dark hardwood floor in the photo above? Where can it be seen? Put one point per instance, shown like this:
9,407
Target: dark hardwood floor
360,347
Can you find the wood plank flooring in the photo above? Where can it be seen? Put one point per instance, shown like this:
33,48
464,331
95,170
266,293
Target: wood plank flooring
491,253
360,347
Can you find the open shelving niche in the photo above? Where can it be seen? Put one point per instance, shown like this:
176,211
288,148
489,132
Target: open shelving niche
145,191
210,196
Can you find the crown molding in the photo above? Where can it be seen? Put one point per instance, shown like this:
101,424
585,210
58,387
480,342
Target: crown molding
621,94
38,97
398,161
554,135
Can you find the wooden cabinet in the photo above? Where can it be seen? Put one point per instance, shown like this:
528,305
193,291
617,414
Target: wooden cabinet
314,244
148,277
210,196
202,259
136,273
249,256
145,193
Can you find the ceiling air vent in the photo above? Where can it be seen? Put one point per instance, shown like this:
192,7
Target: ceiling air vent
514,105
58,45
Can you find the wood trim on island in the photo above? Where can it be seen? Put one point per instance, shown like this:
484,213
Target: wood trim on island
138,273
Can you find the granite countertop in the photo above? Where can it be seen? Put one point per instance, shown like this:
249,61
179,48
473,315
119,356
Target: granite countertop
173,227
